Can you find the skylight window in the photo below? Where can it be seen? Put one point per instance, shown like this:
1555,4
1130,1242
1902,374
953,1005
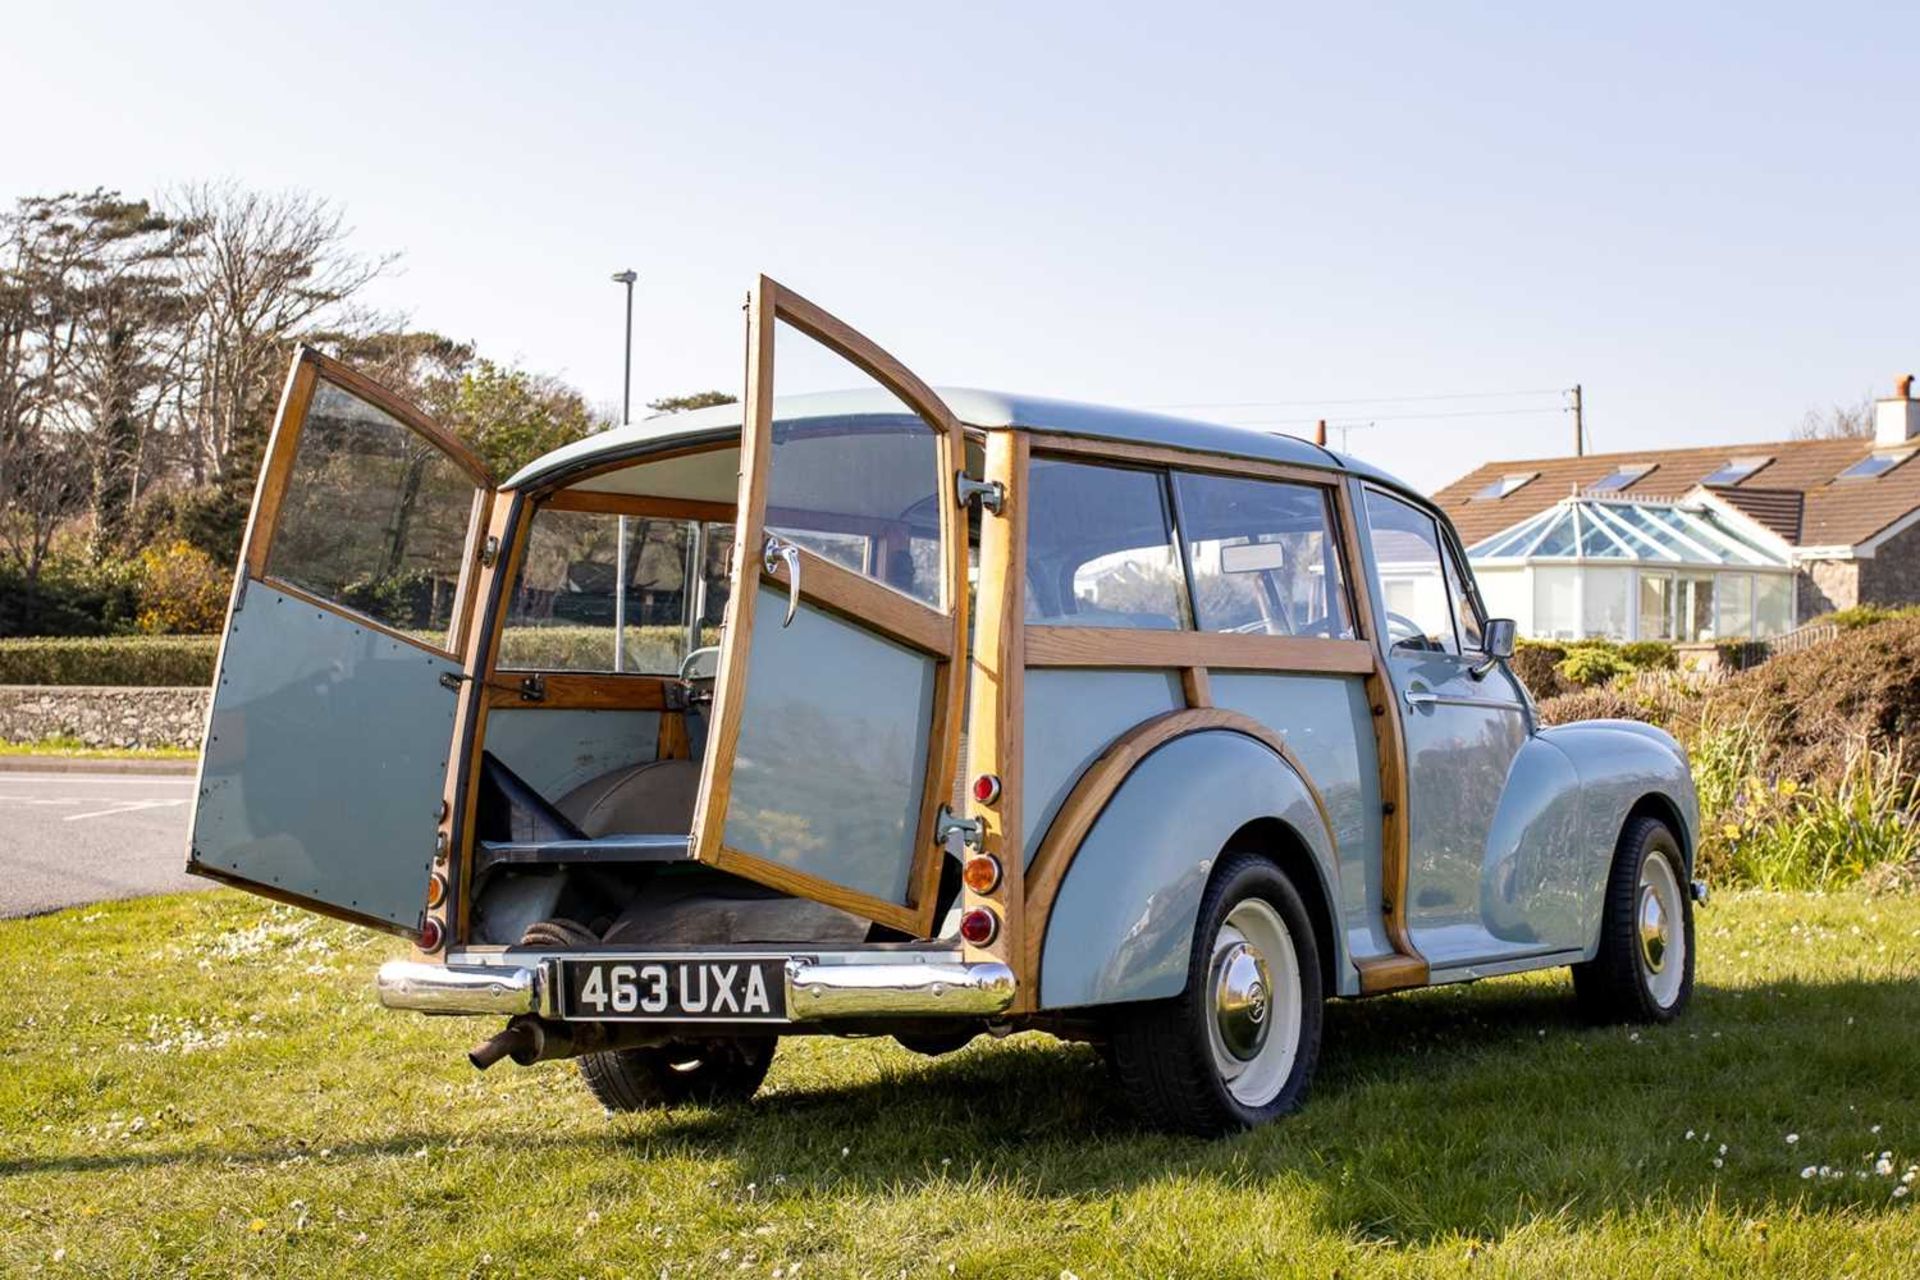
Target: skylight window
1734,470
1877,463
1505,485
1620,477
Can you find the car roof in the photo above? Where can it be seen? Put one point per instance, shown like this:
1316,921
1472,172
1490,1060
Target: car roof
986,410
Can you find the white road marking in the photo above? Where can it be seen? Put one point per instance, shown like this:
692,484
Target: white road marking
118,780
125,806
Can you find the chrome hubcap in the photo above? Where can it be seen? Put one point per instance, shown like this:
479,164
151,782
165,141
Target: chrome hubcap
1661,923
1255,994
1242,999
1653,929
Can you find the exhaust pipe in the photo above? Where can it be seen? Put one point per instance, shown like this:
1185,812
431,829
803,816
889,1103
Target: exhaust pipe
526,1040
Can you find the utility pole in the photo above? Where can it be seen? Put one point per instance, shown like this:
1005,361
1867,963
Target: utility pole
1579,424
627,278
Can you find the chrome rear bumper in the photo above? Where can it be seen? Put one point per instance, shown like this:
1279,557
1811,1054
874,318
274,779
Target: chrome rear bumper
819,987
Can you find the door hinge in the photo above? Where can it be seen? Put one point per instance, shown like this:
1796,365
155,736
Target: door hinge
991,493
451,680
972,831
489,551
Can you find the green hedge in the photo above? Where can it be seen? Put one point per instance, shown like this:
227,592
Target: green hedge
174,661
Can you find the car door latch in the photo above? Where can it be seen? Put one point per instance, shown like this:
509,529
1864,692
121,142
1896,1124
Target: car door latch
991,493
972,831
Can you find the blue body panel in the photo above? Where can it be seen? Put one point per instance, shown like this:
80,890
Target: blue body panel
326,753
1325,721
1122,925
1071,716
831,762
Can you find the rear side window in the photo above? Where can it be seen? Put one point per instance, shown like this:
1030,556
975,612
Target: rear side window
1100,549
1263,556
1413,579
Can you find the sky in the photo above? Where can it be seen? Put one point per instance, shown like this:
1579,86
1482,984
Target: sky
1261,214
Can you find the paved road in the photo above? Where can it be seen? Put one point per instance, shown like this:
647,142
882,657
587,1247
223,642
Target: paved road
67,839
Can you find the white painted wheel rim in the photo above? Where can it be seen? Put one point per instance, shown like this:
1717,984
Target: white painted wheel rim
1254,1001
1659,922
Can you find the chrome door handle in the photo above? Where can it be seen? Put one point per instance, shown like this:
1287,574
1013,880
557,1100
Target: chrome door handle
772,555
1417,698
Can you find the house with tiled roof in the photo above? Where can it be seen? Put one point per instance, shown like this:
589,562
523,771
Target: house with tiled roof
1710,543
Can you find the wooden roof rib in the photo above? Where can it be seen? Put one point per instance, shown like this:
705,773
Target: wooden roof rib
1797,495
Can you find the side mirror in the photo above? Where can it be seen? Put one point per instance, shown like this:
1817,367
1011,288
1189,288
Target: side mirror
1499,638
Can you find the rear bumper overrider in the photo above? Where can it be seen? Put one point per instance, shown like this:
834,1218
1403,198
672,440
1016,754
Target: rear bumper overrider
819,987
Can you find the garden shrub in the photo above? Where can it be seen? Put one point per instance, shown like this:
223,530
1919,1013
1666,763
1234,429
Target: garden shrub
182,590
1591,665
176,661
1649,655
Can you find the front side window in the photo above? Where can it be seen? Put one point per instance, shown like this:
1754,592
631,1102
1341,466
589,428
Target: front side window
375,517
1263,556
572,592
1100,549
1413,577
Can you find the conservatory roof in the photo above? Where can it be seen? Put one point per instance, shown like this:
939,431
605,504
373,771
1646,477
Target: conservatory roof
1636,530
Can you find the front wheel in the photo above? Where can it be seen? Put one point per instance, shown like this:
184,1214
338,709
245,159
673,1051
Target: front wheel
1237,1048
1643,971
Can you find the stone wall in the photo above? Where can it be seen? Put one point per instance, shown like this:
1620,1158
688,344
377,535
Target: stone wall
1892,576
103,715
1826,586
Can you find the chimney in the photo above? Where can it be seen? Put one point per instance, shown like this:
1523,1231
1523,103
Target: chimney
1897,420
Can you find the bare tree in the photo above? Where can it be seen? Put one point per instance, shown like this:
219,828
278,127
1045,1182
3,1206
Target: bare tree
1840,422
263,271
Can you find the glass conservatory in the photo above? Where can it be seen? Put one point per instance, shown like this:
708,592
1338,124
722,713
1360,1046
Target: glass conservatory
1635,569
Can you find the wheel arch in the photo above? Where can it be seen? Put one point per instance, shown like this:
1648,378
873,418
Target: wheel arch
1116,922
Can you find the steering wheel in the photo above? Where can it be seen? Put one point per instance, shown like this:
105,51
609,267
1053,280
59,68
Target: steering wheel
1415,637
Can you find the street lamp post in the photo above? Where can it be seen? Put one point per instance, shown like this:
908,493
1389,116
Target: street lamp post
627,278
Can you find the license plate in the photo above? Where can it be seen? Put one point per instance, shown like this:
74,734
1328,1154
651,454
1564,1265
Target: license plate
675,989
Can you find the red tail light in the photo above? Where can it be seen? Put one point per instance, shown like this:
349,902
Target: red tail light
979,926
986,788
431,935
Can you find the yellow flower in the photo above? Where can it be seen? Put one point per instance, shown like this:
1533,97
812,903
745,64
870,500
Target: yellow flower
1789,787
257,1225
1730,831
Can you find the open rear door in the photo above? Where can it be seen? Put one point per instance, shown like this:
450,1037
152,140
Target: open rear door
333,710
838,704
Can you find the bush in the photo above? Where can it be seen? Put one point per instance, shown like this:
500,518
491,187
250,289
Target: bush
176,661
1649,655
1866,615
73,597
1591,665
182,590
1534,662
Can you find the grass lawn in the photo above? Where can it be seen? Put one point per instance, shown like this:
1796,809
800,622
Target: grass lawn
204,1085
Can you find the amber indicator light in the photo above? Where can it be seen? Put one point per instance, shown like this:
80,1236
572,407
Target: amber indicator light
981,873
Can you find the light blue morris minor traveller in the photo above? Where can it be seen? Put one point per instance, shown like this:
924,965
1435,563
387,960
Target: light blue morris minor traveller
913,712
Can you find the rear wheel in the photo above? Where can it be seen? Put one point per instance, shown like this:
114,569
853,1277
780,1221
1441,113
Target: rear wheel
1237,1048
1643,971
709,1073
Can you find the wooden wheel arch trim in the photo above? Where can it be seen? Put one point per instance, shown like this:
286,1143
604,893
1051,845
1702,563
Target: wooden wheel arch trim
1089,799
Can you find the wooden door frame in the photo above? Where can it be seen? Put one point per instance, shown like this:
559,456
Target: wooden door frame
939,633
